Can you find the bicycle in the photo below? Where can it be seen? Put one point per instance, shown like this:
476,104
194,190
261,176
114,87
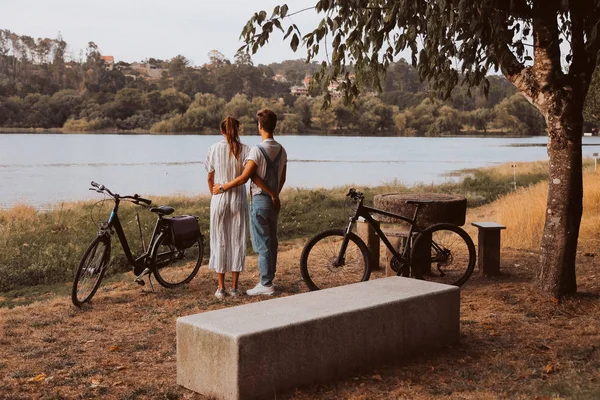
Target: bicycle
173,255
339,256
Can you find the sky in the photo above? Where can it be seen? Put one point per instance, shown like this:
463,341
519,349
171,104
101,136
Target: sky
133,30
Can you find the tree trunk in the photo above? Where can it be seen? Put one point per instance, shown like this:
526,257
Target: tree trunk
565,205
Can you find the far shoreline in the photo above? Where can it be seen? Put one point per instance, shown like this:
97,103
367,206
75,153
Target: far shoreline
145,132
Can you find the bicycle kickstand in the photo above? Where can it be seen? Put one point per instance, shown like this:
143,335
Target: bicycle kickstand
140,280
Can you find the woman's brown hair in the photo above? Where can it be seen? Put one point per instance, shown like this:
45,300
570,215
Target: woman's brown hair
230,127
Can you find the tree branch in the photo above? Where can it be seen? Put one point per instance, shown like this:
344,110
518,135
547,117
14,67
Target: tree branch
581,69
516,72
591,29
547,68
300,11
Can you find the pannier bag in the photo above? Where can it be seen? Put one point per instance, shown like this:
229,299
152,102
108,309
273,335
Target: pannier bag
184,231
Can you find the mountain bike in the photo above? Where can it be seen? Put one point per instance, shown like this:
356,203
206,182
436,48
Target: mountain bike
442,252
173,255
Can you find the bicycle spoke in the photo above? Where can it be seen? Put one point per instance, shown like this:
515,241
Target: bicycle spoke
323,268
90,271
450,255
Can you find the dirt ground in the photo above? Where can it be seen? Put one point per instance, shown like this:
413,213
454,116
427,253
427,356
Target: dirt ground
514,343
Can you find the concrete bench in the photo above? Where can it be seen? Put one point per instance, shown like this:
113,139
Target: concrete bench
488,243
262,349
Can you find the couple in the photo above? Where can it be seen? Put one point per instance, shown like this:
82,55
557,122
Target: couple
230,164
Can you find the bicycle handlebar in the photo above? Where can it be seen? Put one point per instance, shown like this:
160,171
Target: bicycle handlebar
355,195
136,198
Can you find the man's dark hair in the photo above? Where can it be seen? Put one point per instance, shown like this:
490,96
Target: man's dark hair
267,119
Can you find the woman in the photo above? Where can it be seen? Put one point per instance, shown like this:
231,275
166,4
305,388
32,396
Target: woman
228,210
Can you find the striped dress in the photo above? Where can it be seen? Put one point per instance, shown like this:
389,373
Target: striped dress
228,211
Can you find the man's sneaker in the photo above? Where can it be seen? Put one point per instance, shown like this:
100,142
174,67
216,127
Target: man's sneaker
234,292
260,289
220,294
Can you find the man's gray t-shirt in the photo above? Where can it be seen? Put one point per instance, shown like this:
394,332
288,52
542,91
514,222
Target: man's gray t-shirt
271,147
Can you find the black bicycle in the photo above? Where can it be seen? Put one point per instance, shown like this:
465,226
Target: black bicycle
173,255
442,252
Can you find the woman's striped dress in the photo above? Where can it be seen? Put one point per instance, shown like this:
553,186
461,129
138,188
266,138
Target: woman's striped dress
228,211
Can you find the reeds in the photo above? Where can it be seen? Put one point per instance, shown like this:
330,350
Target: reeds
523,213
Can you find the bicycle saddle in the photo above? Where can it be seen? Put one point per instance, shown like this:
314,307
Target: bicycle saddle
163,210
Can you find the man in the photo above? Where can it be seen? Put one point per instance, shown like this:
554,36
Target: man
268,161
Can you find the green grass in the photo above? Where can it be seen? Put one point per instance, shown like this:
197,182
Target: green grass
44,247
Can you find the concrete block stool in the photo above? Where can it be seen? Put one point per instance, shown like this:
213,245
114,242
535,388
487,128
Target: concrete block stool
366,232
488,243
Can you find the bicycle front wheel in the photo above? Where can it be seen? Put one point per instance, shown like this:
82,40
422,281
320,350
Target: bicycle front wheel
174,267
443,253
91,270
319,264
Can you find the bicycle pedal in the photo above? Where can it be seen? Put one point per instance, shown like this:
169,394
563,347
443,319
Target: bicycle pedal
139,279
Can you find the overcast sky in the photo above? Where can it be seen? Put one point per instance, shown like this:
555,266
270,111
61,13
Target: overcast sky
132,30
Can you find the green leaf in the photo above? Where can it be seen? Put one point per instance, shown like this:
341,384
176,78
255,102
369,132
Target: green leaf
289,31
275,12
294,42
278,24
267,27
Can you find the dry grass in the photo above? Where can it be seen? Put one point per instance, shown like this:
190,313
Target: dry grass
514,343
528,168
523,213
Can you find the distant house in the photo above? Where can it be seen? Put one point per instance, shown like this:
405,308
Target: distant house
299,90
151,71
302,90
109,62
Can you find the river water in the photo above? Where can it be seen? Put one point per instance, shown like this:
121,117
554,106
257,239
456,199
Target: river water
45,169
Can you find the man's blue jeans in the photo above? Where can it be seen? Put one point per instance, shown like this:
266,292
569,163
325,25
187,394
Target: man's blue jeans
263,231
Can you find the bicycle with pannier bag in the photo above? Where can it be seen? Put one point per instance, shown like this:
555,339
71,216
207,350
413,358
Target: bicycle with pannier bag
173,255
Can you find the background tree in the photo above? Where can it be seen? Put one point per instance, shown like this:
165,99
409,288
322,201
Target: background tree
177,65
480,118
302,107
591,109
518,115
521,38
243,58
217,59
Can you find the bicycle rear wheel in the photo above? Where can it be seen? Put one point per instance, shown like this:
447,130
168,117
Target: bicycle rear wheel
91,270
451,255
173,267
318,262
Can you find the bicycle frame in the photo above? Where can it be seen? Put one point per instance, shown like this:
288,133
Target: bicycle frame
365,212
114,223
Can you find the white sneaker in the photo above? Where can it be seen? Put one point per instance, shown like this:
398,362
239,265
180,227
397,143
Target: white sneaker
220,294
260,289
234,292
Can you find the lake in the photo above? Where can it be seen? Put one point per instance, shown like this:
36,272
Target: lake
45,169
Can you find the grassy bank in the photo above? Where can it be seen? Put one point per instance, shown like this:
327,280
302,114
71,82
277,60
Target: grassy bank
45,247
